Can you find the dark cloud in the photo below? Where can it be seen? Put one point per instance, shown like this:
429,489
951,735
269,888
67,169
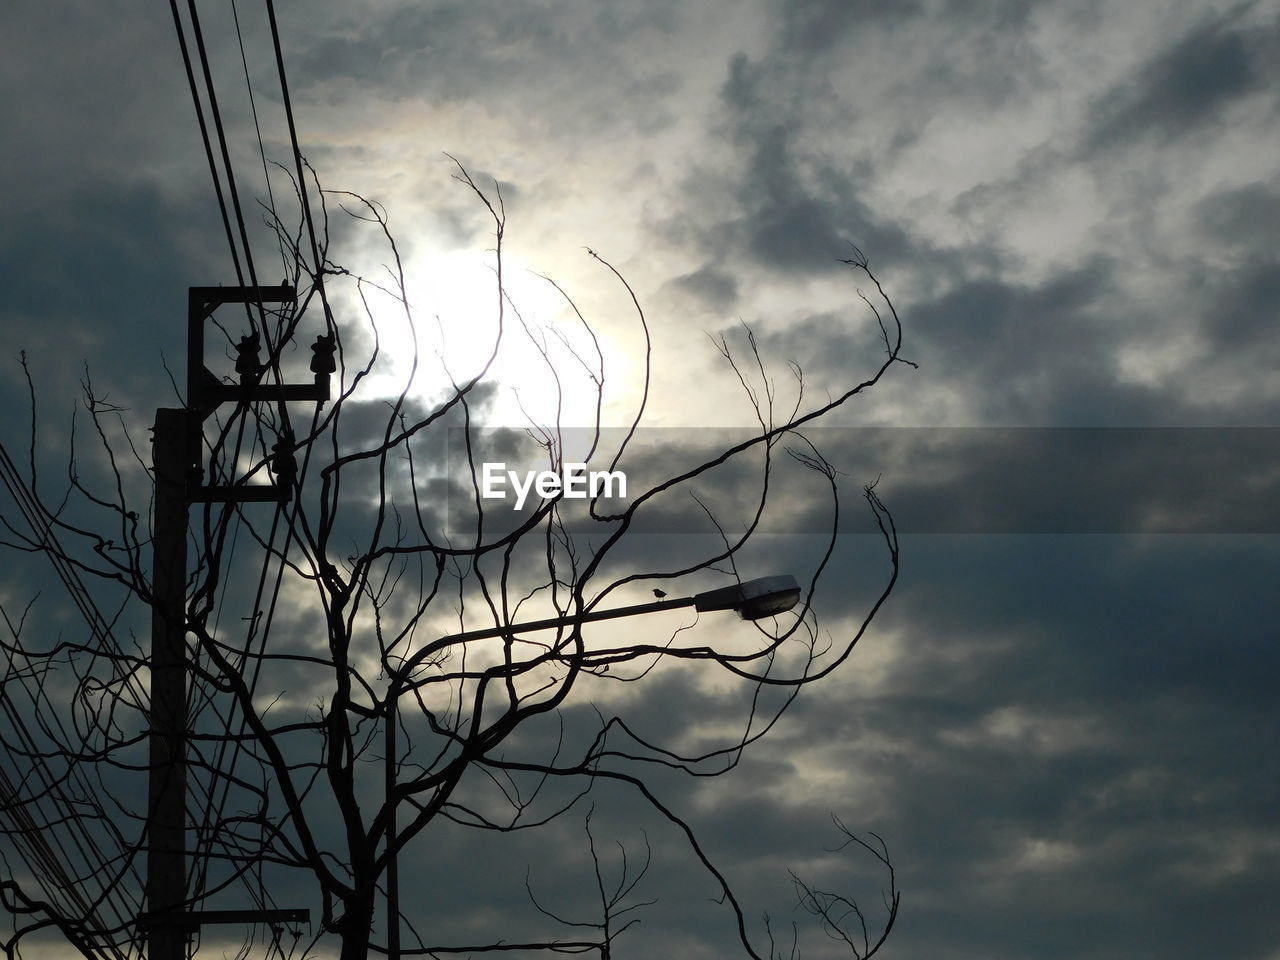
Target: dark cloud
95,296
1241,217
806,140
1240,313
1189,86
406,43
71,122
812,25
494,56
1066,480
1067,739
716,289
1021,353
797,210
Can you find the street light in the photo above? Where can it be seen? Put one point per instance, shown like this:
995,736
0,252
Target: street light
752,599
755,599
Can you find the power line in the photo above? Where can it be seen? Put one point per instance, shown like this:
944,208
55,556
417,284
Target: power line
253,106
71,809
204,136
297,157
212,94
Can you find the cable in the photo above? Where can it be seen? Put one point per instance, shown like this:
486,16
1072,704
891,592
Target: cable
53,787
212,93
204,135
297,157
266,174
237,745
77,844
41,836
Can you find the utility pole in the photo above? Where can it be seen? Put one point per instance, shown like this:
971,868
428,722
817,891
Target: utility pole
177,458
166,827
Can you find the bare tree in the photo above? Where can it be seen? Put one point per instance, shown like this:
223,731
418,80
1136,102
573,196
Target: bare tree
397,652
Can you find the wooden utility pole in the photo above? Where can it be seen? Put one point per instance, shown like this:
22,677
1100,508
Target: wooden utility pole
177,459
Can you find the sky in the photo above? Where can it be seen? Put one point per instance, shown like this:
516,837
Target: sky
1063,722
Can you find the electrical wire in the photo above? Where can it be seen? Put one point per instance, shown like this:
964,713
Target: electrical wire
237,746
41,836
36,833
298,162
257,128
204,136
75,588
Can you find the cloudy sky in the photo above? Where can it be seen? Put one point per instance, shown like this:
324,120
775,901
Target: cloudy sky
1063,724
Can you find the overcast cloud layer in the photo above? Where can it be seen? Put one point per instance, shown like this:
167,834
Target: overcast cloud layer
1066,736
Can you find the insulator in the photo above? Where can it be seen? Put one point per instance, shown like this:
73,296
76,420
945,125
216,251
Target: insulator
322,360
247,364
282,461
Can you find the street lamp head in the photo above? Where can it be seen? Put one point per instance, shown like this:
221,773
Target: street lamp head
753,599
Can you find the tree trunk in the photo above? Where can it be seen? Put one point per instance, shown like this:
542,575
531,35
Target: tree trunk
356,926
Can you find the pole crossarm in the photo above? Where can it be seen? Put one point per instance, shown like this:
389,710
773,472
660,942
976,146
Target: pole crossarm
240,493
206,392
209,392
193,919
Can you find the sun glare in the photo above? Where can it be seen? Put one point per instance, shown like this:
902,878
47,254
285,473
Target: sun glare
457,316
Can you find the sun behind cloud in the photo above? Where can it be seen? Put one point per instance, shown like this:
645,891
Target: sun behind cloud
462,323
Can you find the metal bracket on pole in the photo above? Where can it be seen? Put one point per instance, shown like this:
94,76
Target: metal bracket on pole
206,391
241,493
193,919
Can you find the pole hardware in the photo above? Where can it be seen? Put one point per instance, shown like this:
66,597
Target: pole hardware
282,462
193,919
178,460
247,363
206,392
322,359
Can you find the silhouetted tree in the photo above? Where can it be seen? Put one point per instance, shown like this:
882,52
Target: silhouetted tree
341,702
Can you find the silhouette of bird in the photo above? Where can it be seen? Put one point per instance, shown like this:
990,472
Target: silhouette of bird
659,593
